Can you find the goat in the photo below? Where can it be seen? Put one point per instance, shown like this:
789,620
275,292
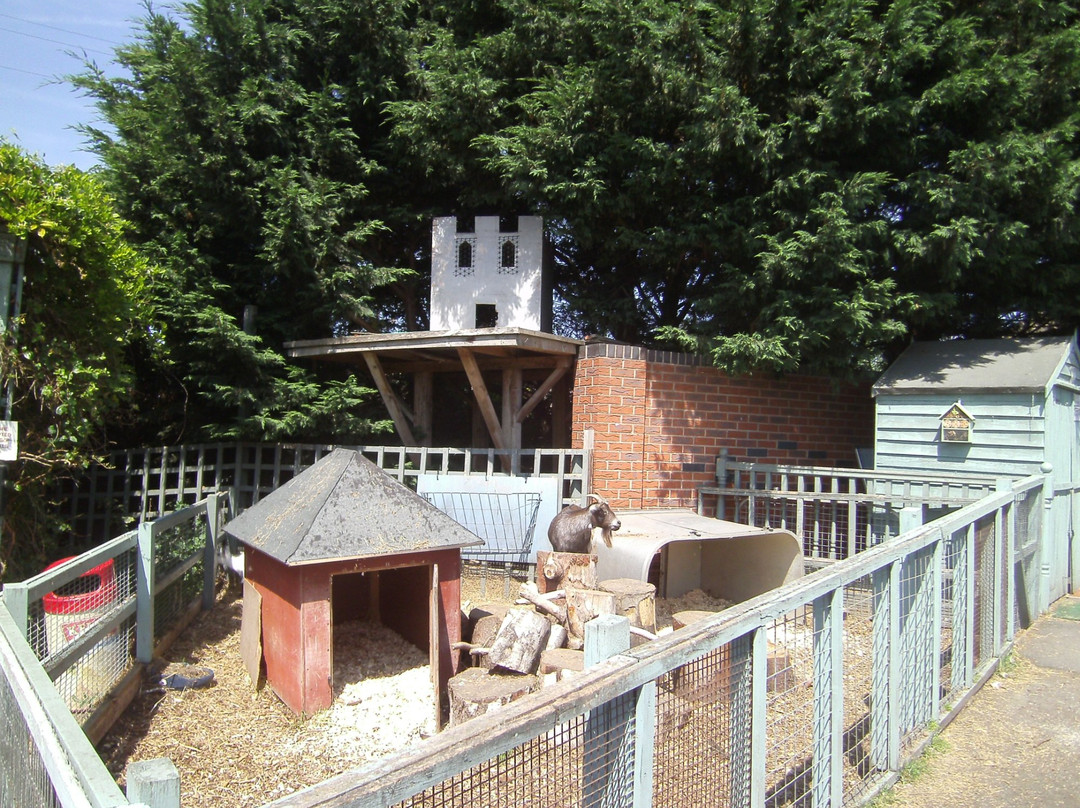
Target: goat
571,529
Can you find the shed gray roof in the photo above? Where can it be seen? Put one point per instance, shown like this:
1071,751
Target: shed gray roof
345,507
983,365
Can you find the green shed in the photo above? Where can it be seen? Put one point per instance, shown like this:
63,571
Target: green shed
1002,408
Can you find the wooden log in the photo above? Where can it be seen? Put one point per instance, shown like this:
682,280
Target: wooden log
480,611
557,637
582,605
484,632
475,692
634,599
545,604
562,662
522,637
565,570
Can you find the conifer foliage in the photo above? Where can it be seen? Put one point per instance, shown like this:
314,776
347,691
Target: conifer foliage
783,185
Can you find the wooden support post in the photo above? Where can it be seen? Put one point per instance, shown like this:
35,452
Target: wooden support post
483,398
154,783
390,399
541,391
885,724
910,519
828,761
423,406
213,528
144,594
512,392
623,726
935,576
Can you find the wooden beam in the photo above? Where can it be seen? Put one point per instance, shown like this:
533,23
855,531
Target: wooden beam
487,409
542,390
512,391
397,364
423,405
390,399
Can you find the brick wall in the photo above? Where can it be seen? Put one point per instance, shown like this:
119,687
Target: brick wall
660,419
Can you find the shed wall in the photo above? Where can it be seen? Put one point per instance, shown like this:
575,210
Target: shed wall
1008,438
661,418
297,617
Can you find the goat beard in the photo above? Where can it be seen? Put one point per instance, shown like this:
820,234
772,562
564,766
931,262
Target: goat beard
605,534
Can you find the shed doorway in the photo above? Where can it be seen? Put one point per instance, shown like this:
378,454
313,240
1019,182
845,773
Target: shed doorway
399,599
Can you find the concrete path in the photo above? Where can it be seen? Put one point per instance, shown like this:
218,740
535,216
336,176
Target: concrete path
1017,743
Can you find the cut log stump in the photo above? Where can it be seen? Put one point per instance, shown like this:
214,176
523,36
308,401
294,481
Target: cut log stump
486,621
475,692
634,599
522,637
565,571
582,605
562,662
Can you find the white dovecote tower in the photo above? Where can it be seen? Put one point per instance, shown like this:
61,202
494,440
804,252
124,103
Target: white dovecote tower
488,277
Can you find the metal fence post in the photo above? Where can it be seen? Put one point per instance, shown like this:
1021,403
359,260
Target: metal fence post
828,764
144,594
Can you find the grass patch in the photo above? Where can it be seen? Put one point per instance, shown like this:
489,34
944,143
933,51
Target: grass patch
912,771
1010,664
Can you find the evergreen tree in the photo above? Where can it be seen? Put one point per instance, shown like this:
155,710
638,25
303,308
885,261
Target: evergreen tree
785,185
248,138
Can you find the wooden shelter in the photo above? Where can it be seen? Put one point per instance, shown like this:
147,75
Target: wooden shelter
343,541
512,353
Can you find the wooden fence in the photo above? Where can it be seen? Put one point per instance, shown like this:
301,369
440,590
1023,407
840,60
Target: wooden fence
140,484
835,512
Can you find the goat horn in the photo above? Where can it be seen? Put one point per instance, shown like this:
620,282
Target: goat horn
599,498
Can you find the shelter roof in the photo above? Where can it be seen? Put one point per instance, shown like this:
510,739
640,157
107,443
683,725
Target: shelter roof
345,507
977,365
439,350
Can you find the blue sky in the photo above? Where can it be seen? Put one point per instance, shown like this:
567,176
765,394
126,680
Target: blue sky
36,37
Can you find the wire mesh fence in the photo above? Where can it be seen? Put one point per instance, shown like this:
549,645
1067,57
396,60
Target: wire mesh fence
807,695
789,708
505,521
24,778
860,768
698,727
179,570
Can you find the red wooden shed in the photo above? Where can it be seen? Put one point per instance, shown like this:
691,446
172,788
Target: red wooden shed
342,541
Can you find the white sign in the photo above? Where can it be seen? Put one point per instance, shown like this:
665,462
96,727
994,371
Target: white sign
9,440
